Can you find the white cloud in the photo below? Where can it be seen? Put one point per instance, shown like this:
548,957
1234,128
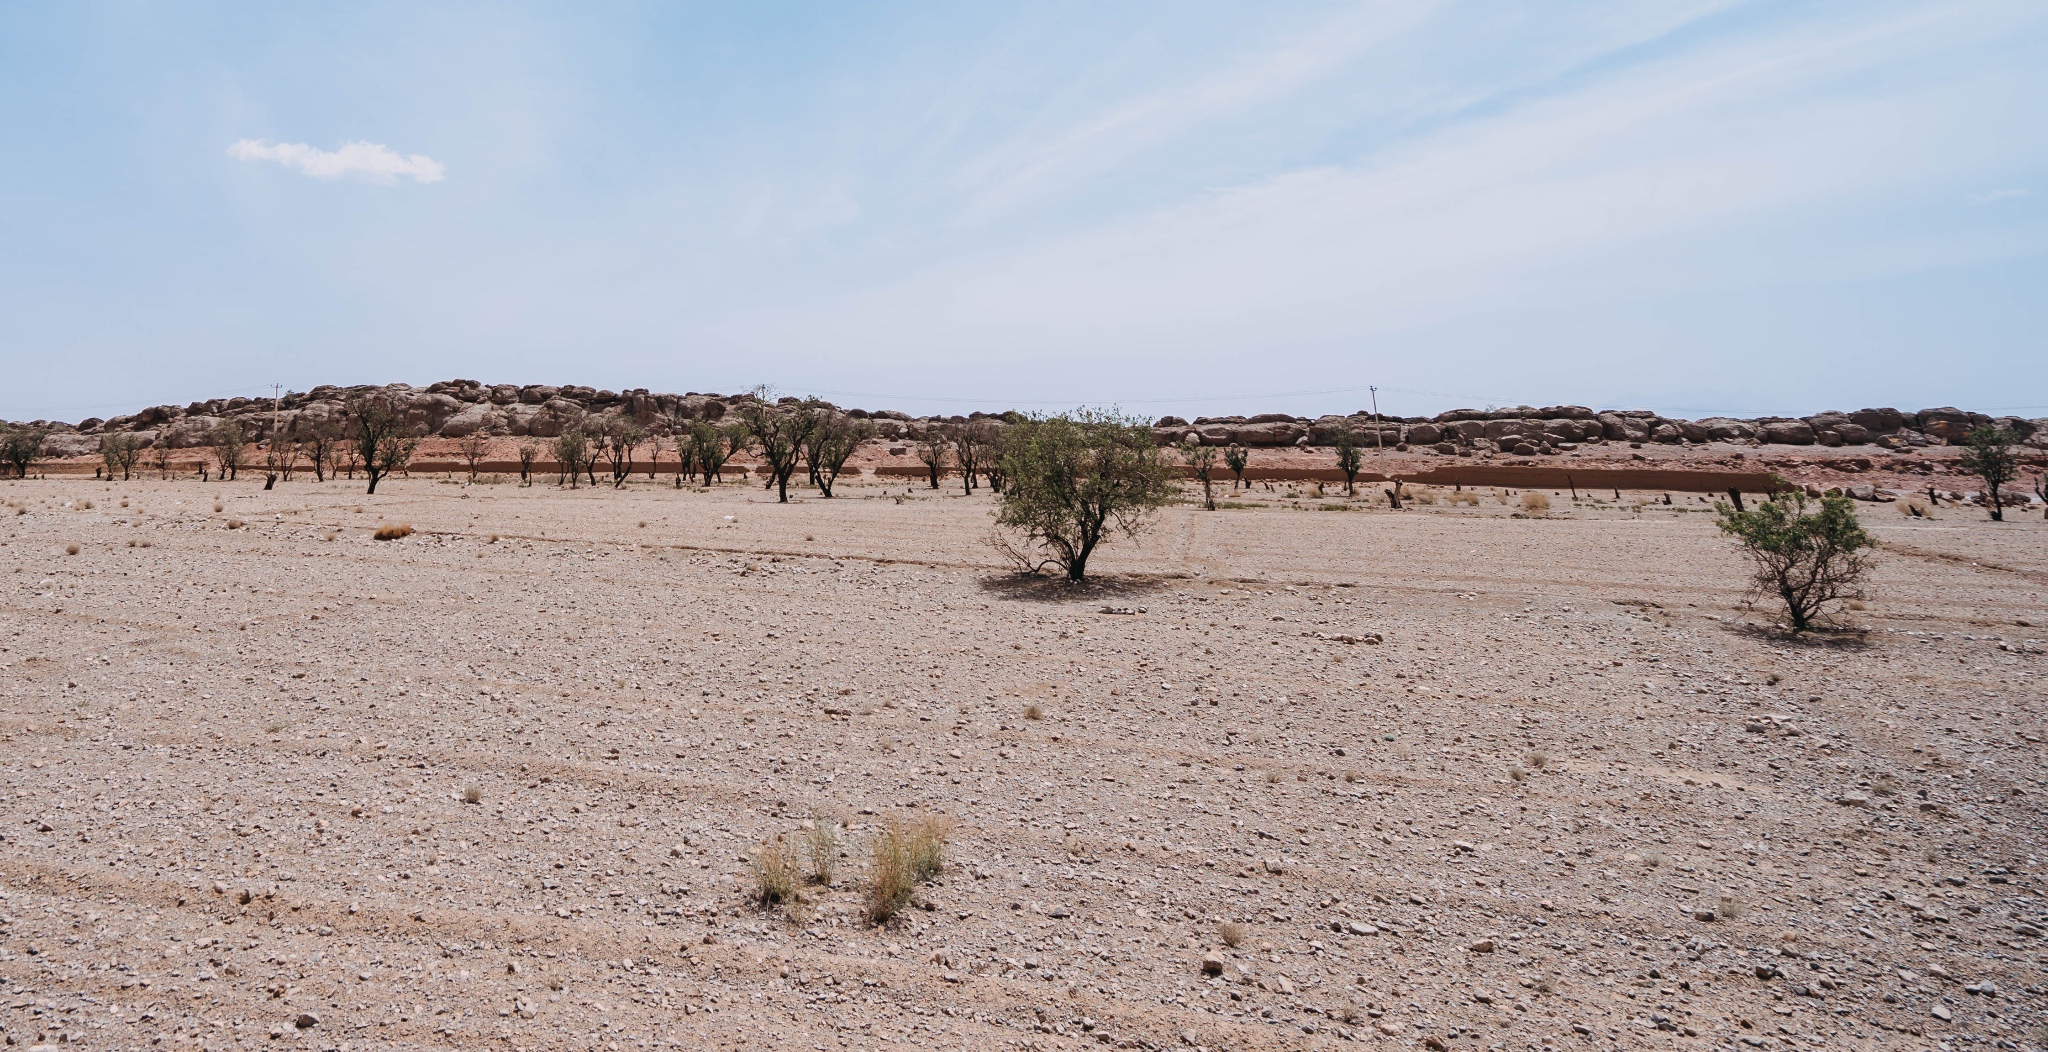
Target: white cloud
374,162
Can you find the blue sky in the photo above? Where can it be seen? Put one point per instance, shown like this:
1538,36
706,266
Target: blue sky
1699,206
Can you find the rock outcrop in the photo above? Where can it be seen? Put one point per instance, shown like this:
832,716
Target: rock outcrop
460,408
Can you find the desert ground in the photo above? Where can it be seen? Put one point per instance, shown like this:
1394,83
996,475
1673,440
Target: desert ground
1454,777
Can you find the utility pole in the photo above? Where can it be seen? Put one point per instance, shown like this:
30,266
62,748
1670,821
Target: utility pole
1380,437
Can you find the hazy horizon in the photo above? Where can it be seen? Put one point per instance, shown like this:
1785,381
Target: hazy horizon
1705,208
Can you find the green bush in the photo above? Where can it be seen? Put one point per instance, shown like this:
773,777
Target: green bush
1073,480
1808,560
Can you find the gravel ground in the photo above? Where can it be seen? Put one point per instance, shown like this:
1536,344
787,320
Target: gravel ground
1451,777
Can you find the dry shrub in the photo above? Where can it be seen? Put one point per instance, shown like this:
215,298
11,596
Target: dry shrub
823,842
218,507
71,549
1422,495
1729,906
1535,503
904,856
473,795
776,873
1517,772
392,532
1033,712
85,505
1536,758
234,524
1231,932
1884,785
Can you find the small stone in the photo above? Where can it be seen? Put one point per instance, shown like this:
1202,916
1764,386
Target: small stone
1482,946
1389,1027
1212,964
1942,1013
306,1021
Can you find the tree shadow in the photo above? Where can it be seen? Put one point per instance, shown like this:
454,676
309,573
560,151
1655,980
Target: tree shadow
1045,588
1837,637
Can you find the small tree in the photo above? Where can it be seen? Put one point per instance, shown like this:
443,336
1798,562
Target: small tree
529,451
985,437
120,451
781,432
19,446
1073,480
569,449
474,447
227,440
316,440
279,458
1807,560
1201,460
711,446
1990,457
833,444
616,440
1236,458
1349,457
971,448
931,450
160,458
379,437
657,443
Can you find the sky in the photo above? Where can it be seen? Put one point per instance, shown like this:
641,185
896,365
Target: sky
1697,206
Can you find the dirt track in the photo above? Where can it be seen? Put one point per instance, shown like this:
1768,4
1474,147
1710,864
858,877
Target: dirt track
237,759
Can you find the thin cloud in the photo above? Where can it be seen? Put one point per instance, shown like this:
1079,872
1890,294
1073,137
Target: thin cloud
373,162
1998,195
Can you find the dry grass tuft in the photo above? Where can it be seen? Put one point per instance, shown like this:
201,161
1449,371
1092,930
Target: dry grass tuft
1729,907
392,532
823,842
1884,785
85,505
1535,503
776,873
218,507
473,795
1231,932
234,524
71,549
1033,712
904,856
1273,777
1536,758
1517,772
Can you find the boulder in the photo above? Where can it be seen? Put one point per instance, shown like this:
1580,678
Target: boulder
1853,434
1785,432
68,444
1949,424
190,432
504,394
427,411
1691,431
481,416
1619,428
1722,429
1271,418
538,394
1666,431
1879,421
1273,433
1170,421
1425,434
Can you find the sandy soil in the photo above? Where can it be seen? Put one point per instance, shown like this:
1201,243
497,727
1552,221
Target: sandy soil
1576,798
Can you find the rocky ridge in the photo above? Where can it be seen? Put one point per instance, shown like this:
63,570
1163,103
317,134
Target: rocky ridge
459,408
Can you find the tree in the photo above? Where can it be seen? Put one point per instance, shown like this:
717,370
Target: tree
379,436
1807,560
529,451
316,439
932,445
781,432
569,448
712,445
973,445
616,440
474,447
1236,458
657,440
1072,481
279,458
19,446
120,451
160,458
1348,457
227,439
1990,457
1201,460
832,444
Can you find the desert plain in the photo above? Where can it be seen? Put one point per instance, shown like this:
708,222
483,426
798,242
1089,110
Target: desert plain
1451,777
